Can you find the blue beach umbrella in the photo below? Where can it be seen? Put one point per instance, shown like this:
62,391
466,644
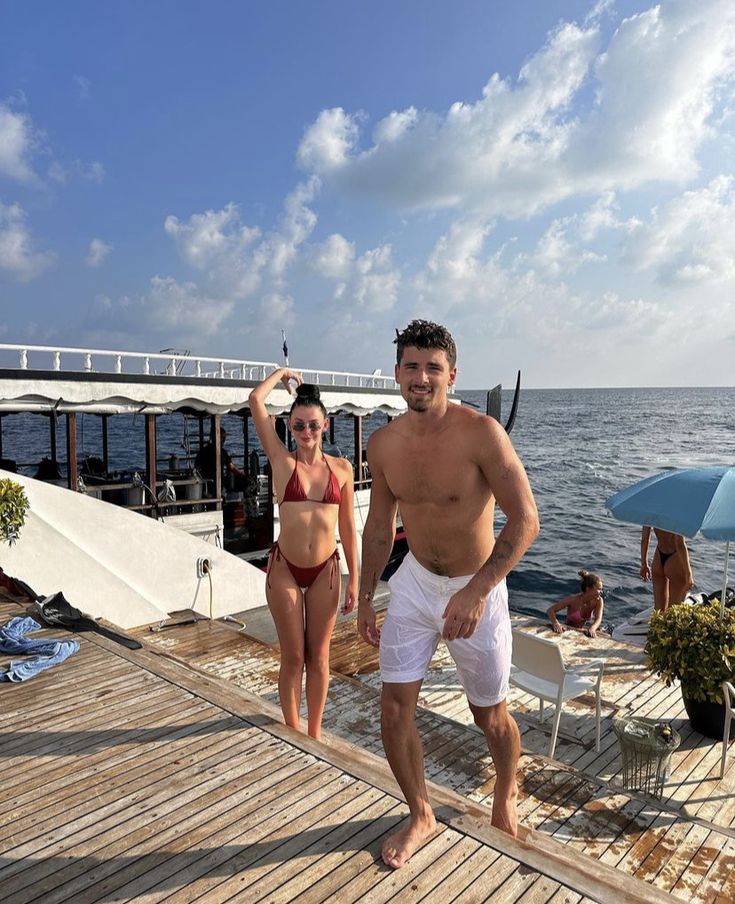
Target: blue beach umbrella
685,501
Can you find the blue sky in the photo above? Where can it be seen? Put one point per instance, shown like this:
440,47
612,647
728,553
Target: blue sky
553,180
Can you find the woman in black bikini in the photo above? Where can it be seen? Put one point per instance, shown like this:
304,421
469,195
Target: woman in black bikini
670,570
315,494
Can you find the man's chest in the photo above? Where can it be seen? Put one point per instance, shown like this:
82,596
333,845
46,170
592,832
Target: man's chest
428,474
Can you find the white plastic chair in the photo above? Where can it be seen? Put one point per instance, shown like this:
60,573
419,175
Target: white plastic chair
728,692
538,668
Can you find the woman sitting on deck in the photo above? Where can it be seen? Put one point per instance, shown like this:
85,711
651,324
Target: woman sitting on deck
581,607
315,492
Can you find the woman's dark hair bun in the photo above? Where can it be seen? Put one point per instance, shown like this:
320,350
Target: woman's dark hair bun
307,391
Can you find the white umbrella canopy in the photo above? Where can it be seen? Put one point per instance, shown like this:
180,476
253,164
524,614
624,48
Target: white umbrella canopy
685,501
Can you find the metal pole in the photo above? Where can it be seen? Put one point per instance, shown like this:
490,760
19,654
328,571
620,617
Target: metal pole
72,469
724,582
52,434
150,456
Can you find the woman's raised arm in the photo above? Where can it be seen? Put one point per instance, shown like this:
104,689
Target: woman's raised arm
272,445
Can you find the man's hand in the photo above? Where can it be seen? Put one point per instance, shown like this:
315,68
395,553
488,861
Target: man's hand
463,613
366,624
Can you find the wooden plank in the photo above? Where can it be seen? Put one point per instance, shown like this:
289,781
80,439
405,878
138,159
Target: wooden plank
46,745
186,743
323,878
90,766
440,878
89,818
288,842
230,852
324,856
180,827
488,881
377,881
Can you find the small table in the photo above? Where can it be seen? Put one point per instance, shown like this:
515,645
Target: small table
647,746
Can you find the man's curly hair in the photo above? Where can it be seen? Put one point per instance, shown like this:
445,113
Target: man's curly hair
425,334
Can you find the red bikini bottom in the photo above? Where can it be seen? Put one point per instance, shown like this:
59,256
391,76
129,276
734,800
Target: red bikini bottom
305,577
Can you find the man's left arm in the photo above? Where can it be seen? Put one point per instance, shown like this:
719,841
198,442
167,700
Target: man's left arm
507,480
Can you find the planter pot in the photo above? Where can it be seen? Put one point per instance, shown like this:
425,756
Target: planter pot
707,718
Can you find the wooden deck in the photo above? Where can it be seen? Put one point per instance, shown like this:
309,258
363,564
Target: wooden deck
683,844
132,777
147,777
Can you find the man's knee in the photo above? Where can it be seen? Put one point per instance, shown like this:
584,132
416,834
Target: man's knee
493,720
398,706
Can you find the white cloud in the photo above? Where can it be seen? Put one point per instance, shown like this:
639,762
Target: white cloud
82,85
370,281
296,226
328,141
235,264
333,258
376,280
92,172
17,141
578,120
17,253
394,126
98,251
277,309
214,234
692,238
171,310
658,85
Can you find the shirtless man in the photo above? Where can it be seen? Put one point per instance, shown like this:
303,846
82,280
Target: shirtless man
444,465
670,570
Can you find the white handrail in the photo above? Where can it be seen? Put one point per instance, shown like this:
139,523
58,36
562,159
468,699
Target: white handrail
179,364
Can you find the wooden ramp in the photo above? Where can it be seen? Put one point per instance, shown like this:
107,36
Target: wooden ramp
131,777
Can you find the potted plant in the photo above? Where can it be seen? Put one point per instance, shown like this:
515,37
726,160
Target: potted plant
694,645
13,508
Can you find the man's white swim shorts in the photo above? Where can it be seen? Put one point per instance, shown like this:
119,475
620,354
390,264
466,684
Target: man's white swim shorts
413,627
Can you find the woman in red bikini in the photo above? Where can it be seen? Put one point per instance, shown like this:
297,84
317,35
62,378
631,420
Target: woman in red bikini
670,569
581,607
315,494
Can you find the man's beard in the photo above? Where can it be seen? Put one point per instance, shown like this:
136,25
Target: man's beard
419,403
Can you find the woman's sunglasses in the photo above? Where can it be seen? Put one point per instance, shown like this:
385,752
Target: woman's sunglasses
300,426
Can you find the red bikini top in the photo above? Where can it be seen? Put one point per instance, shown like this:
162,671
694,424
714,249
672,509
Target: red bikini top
295,491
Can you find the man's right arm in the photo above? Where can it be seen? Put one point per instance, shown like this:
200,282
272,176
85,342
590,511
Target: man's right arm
377,542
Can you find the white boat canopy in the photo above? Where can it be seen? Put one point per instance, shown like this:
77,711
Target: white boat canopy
65,380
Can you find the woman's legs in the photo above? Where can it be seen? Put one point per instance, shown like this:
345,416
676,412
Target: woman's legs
660,584
320,604
285,602
678,576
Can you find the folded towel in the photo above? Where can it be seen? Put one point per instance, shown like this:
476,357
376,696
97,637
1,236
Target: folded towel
47,652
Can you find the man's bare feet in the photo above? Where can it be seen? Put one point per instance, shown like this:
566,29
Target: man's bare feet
399,848
505,812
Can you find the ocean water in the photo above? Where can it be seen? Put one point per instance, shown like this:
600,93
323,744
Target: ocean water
579,446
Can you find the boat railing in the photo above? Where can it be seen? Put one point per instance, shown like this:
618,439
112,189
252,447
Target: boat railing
170,363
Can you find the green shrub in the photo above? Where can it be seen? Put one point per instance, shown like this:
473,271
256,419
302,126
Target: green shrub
13,508
690,643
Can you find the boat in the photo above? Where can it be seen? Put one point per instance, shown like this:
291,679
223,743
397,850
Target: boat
635,629
145,567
